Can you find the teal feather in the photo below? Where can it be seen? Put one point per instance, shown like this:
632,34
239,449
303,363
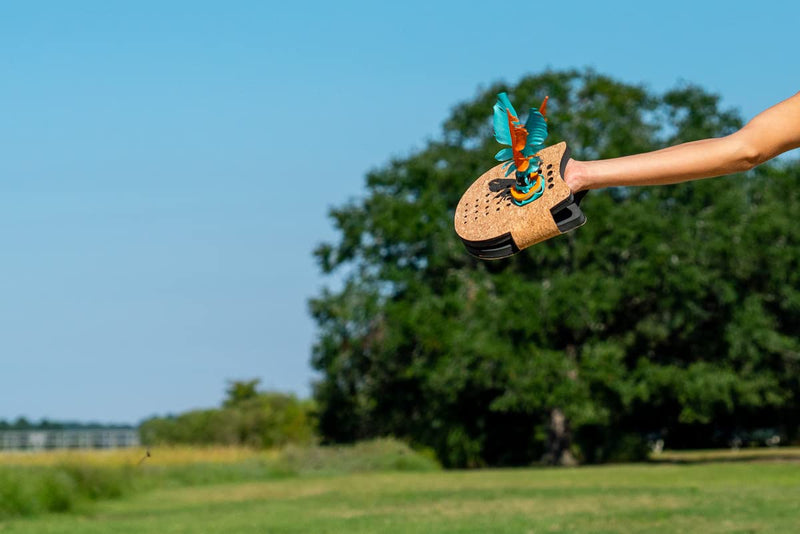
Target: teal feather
501,130
537,131
502,99
535,125
504,154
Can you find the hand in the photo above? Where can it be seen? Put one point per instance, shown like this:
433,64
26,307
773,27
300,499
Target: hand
575,175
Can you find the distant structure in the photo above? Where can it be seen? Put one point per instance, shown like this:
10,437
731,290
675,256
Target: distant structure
83,438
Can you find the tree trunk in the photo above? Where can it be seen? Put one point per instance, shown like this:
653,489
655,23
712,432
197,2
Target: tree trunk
559,435
559,440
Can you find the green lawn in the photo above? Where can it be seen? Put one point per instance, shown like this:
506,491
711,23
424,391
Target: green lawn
707,498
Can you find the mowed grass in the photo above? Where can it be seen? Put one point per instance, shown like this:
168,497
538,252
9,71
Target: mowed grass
36,483
728,455
740,497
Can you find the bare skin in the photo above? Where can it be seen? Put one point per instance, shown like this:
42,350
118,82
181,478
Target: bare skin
772,132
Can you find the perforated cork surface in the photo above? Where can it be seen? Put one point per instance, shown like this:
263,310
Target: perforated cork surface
486,212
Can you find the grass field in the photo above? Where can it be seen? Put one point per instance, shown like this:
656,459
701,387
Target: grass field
741,497
163,456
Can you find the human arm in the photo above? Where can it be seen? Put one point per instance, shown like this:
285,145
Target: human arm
772,132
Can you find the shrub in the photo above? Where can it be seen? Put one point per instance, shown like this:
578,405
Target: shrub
261,420
384,454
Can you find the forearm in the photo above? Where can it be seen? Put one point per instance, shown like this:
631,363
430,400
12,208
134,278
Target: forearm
688,161
772,132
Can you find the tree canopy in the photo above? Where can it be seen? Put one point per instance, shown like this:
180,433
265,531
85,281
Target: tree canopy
671,313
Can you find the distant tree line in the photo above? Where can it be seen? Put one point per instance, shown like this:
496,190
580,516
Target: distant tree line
21,423
672,315
247,417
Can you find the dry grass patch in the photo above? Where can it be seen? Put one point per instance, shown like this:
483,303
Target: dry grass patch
159,456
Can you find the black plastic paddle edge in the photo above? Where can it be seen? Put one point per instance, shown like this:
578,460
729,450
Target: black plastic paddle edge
566,214
492,249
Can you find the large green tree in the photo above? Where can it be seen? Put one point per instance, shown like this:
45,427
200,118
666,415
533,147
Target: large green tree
670,313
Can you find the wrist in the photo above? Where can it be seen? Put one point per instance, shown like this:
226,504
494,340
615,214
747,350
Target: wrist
576,175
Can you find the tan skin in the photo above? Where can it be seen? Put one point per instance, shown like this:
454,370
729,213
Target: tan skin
772,132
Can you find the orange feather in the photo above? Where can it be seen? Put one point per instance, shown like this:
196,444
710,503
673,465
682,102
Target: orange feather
518,137
543,107
519,196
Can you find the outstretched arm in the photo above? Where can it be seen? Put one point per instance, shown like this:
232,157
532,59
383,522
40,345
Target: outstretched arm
770,133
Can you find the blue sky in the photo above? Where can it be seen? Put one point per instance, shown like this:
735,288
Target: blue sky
153,240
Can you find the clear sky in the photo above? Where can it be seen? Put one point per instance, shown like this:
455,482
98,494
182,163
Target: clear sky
156,225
